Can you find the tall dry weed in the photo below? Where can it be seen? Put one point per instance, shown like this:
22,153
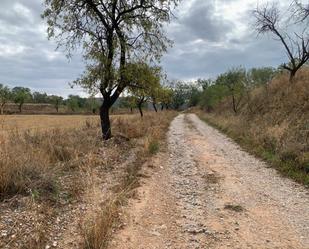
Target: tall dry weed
274,124
148,134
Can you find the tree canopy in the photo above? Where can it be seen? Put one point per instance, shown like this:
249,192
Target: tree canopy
144,82
21,95
111,33
5,95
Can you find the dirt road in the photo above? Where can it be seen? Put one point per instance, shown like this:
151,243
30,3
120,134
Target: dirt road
205,192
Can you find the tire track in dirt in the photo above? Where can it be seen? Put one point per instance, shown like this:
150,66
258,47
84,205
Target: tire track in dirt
208,193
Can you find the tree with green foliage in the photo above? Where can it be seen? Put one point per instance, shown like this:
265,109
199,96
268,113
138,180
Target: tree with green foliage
165,97
144,81
127,102
204,83
181,93
5,96
75,102
92,104
56,101
194,95
234,81
112,33
260,76
38,97
21,95
185,94
156,96
212,96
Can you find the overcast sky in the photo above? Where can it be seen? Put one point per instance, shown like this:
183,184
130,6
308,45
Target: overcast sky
209,36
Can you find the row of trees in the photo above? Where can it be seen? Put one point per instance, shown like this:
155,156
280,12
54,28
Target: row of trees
235,84
116,36
290,28
148,89
22,95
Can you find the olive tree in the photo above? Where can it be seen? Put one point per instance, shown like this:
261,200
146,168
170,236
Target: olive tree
111,34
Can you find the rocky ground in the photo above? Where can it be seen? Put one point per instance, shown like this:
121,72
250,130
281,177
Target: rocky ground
26,222
205,192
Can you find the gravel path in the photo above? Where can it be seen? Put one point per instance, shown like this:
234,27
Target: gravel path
208,193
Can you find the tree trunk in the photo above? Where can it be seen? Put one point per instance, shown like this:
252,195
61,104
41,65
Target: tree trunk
234,103
154,106
57,109
162,107
140,108
105,121
20,107
2,109
131,109
166,106
292,75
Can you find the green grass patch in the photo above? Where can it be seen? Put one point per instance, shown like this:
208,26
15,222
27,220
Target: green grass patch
153,147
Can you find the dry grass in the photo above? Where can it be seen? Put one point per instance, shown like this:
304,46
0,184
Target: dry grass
42,122
273,125
51,165
31,162
97,232
147,133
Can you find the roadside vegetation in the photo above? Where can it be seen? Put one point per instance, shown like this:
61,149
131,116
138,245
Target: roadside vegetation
98,230
21,100
272,124
52,172
263,111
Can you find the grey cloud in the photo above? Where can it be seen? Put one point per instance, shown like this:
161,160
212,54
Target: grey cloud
199,22
32,60
219,48
205,44
204,25
205,61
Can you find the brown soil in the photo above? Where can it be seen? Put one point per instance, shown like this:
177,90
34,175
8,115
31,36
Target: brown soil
205,192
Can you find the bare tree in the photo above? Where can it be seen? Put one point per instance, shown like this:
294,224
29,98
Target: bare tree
268,20
300,10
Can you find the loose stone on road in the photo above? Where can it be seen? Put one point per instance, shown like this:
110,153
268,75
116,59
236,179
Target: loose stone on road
205,192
